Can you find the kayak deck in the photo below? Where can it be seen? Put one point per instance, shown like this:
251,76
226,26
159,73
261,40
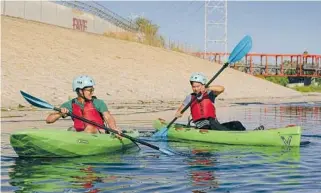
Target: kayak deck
287,136
62,143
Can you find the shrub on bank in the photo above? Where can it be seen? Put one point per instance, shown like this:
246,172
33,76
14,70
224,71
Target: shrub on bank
278,80
148,35
308,88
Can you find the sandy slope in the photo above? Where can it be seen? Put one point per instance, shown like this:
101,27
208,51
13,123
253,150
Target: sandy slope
43,59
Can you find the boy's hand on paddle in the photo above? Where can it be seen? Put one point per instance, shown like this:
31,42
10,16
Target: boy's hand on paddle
178,114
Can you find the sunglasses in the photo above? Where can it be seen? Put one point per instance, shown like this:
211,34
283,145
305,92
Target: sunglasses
91,90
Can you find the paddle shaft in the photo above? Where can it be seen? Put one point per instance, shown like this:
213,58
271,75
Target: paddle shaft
111,130
207,84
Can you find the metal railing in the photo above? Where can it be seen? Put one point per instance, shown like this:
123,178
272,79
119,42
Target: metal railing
102,12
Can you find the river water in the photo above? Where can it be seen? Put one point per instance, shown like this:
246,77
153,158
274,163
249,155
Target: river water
202,168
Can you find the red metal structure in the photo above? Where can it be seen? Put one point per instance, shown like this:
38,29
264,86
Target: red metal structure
289,65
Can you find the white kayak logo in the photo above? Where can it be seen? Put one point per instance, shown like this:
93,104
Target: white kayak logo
82,141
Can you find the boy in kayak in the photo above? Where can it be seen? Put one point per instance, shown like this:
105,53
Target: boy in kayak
87,106
203,106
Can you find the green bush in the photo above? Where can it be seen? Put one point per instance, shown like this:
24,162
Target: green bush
318,80
278,80
151,36
308,88
150,31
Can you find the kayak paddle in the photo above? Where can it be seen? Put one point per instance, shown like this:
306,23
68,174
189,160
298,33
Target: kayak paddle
239,51
43,104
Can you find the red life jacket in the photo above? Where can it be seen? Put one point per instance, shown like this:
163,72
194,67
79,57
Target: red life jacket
89,112
202,109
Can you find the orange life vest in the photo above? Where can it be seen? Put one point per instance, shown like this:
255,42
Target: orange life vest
202,109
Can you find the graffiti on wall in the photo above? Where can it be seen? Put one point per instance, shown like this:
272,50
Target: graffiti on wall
79,24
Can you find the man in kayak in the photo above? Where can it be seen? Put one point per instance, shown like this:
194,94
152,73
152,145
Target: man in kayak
203,106
87,106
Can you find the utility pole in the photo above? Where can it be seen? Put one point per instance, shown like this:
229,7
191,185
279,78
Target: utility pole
216,26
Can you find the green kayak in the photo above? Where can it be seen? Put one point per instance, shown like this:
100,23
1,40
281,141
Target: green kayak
287,136
62,143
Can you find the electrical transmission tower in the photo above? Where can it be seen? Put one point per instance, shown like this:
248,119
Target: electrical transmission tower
216,26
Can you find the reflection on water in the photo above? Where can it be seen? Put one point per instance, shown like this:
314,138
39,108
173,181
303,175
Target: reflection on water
201,169
59,175
286,114
274,116
208,162
205,168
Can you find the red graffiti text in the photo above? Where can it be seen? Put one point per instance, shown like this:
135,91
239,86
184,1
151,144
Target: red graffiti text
79,24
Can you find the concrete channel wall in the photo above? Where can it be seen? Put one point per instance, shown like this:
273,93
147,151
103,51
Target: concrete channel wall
55,14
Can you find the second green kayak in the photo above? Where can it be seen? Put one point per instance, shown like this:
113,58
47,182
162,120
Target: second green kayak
287,136
62,143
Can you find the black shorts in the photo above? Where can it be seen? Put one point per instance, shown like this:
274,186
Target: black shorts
228,126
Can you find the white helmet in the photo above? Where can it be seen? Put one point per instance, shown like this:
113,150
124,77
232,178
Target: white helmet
82,81
198,77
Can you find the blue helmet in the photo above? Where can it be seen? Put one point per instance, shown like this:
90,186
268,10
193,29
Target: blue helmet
82,81
198,77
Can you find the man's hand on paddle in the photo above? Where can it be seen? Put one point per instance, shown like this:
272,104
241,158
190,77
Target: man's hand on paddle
63,112
119,131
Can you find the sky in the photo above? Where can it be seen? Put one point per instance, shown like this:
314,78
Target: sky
287,27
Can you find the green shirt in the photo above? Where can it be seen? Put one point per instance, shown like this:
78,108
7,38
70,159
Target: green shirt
100,105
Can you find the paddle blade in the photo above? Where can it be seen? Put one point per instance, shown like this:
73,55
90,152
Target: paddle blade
36,102
241,49
162,133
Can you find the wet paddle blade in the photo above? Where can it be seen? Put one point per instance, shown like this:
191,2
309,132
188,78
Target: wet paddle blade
161,133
